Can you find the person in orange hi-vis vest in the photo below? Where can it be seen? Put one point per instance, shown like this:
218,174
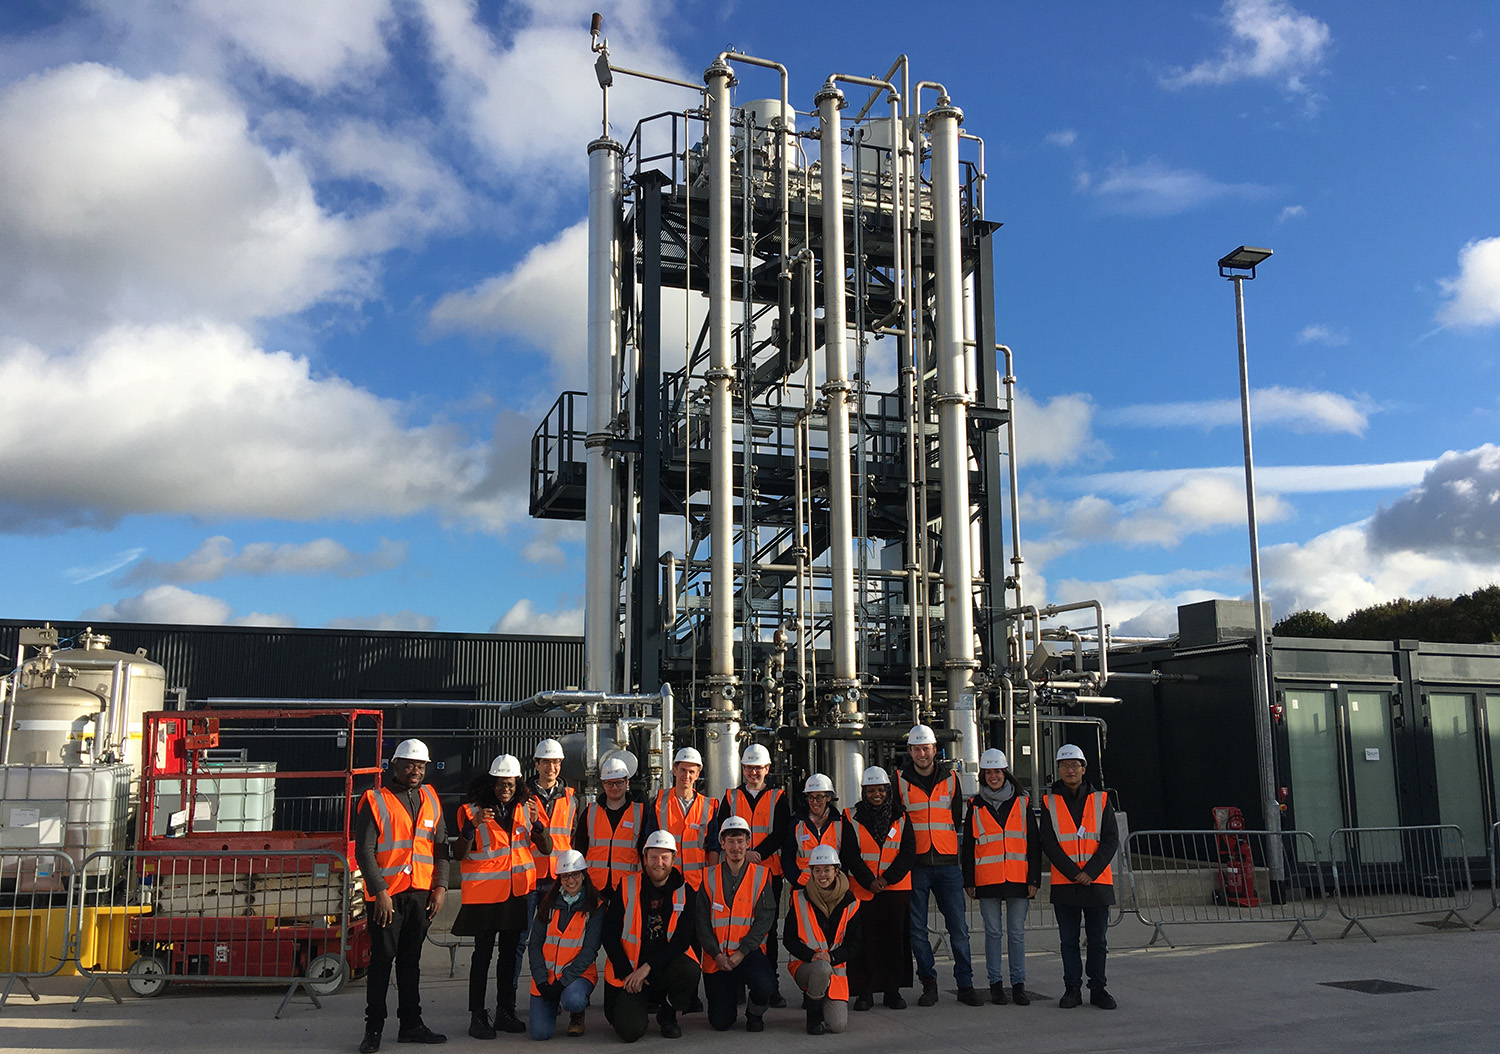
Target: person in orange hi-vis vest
558,806
735,912
822,934
769,814
1080,836
691,818
565,938
1001,857
609,827
500,832
401,847
817,824
934,801
877,851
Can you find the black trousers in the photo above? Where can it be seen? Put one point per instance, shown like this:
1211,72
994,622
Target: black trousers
721,990
398,944
629,1012
486,943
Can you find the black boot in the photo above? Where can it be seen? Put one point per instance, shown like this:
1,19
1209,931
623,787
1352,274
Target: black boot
1019,995
479,1025
506,1020
1071,997
998,994
666,1019
815,1017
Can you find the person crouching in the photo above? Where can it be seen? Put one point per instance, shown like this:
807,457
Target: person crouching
822,933
565,938
736,911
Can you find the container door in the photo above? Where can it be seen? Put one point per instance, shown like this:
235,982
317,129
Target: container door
1460,779
1372,767
1315,748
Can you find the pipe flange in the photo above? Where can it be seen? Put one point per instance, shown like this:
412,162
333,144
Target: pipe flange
829,91
720,68
718,374
961,664
606,143
598,439
942,112
962,398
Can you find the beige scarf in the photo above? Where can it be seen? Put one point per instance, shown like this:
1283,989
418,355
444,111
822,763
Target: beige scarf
825,900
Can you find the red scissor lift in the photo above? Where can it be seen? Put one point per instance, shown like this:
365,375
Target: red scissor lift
251,905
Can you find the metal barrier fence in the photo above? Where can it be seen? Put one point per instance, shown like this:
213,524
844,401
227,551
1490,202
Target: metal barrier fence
1494,848
229,917
36,907
1382,872
1181,877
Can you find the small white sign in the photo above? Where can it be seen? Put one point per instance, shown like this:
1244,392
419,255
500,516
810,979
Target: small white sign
1372,753
25,817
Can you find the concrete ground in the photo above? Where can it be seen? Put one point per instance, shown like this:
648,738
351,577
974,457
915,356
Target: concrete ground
1224,987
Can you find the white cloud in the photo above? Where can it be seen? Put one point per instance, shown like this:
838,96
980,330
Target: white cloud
165,603
405,619
1197,505
1284,479
1066,137
1154,188
545,547
524,618
1291,212
202,422
148,200
1455,509
323,45
1317,333
1057,432
216,558
1142,605
1474,296
80,575
1271,41
1297,409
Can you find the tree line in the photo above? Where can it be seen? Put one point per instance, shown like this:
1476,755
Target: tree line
1472,618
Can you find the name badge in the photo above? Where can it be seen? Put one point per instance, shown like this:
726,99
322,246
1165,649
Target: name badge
719,907
406,870
892,832
627,823
428,823
1082,831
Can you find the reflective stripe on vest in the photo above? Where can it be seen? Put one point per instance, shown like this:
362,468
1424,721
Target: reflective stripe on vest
689,830
612,854
811,935
878,858
562,946
760,816
630,929
999,849
499,865
1082,842
732,921
932,816
403,850
561,819
806,840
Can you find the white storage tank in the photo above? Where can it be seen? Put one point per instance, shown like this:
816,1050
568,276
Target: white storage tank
54,726
142,688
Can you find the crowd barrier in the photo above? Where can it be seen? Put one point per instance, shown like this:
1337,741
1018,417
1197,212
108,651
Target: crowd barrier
1212,876
1384,872
36,906
1494,854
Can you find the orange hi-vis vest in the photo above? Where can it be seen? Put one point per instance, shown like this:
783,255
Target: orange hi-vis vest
630,931
806,840
878,858
811,935
500,864
732,921
560,820
690,828
759,816
612,854
562,946
932,815
403,849
1082,842
999,849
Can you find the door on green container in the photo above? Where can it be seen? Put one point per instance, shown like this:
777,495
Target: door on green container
1314,745
1456,757
1372,768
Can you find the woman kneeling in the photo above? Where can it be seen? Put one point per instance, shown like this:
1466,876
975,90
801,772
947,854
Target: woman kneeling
821,935
564,944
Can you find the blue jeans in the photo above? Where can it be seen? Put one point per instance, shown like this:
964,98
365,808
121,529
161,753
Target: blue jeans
1011,936
946,882
543,1017
1095,923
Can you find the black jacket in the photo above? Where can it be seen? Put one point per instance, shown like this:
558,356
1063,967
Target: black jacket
1095,894
966,847
654,954
849,846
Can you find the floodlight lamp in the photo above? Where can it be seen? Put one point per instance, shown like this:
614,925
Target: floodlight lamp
1245,258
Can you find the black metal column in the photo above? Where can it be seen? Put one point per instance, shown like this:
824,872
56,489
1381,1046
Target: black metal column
990,421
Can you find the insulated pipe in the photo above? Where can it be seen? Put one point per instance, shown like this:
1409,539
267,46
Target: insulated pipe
668,729
601,562
723,761
953,440
1015,490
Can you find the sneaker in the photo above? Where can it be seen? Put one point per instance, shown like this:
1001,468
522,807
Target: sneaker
479,1025
667,1020
1102,999
863,1002
371,1043
575,1024
754,1023
970,997
1019,995
506,1020
997,994
893,1000
420,1034
1070,998
929,996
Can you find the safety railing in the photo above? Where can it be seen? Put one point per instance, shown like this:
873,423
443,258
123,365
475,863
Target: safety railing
1384,872
1216,876
1494,856
242,916
36,901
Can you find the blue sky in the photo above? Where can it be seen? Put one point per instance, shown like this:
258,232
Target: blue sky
285,289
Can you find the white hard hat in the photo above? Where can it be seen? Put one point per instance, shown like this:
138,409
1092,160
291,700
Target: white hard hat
506,765
817,782
735,823
614,769
874,777
921,735
414,749
1071,752
690,755
993,758
548,750
755,754
823,854
569,861
661,840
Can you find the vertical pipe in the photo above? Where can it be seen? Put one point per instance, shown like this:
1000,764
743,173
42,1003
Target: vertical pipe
723,762
602,566
953,441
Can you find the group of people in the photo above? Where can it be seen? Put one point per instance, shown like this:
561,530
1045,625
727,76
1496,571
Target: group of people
684,890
